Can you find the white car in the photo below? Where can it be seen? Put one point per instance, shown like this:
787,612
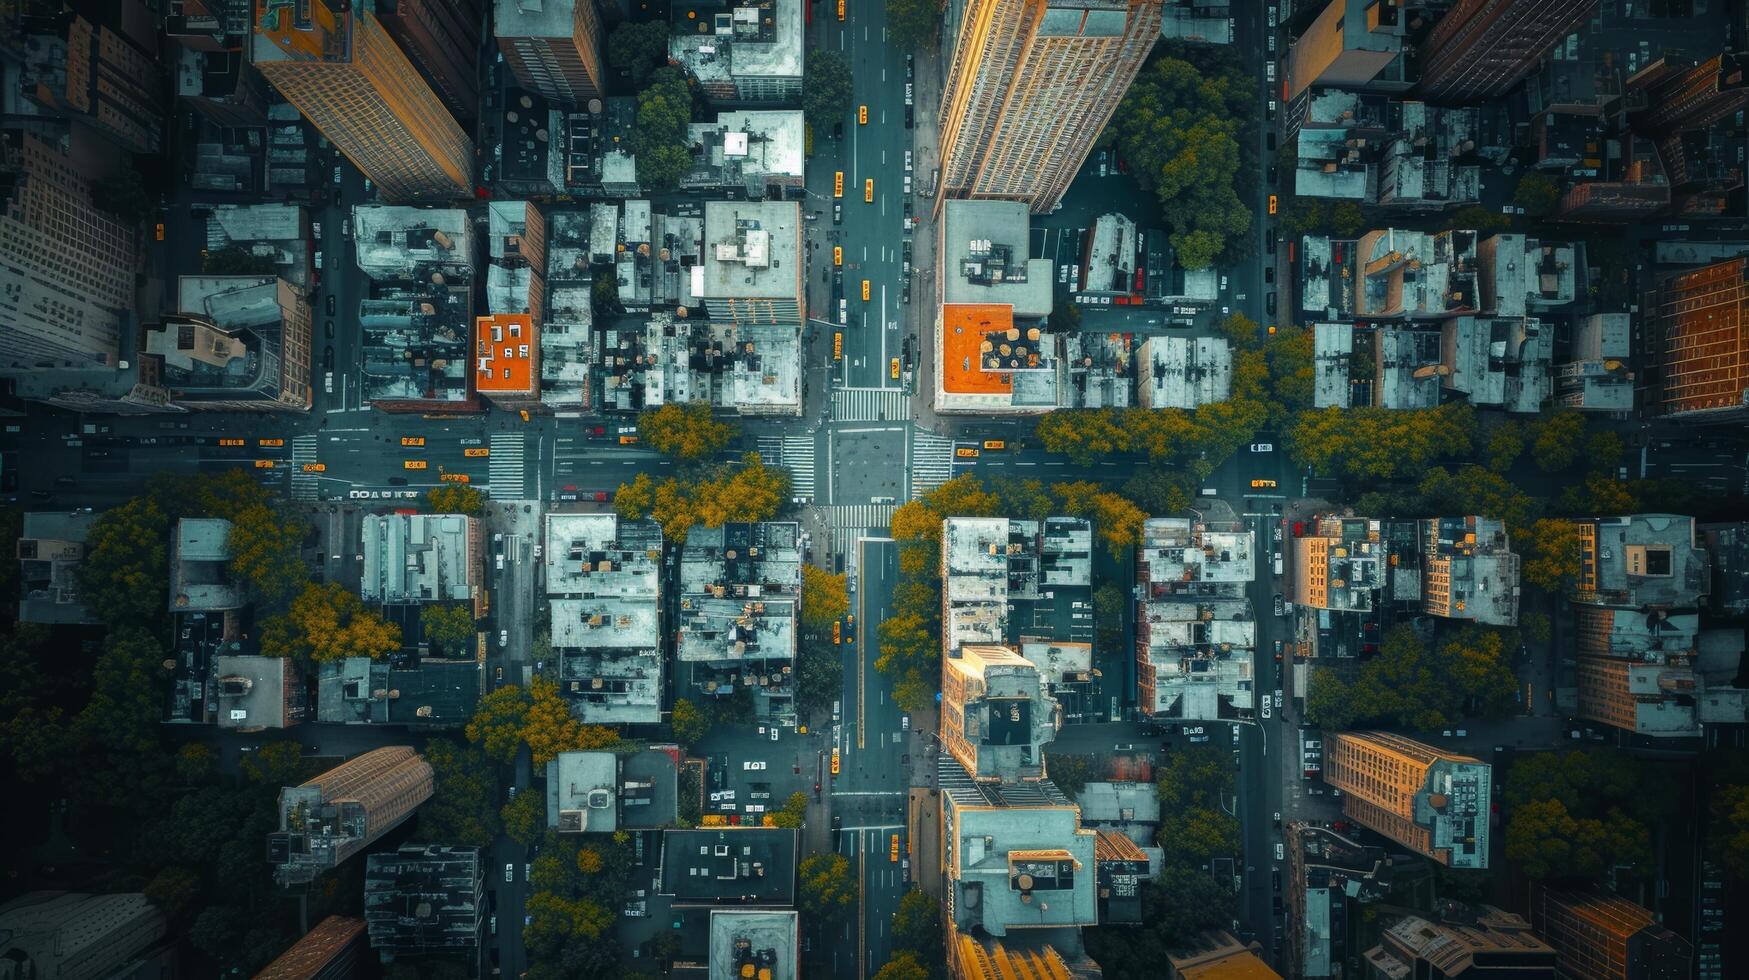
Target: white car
773,738
1262,447
503,638
510,872
1266,710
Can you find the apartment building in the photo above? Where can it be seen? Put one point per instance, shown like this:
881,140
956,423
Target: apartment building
552,46
1431,802
234,344
419,558
1641,561
1480,49
752,268
1606,937
604,590
603,792
740,606
100,70
1675,93
1030,85
1485,942
1468,570
992,354
1339,564
1195,629
1697,344
507,359
425,898
1352,44
1598,377
50,548
333,950
740,52
996,714
349,78
328,819
441,38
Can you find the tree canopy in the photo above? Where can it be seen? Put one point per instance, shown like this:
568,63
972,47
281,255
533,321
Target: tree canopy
328,622
1370,444
826,96
455,498
462,809
825,598
1180,130
637,48
910,23
1572,816
1410,684
744,491
660,140
684,431
825,886
447,625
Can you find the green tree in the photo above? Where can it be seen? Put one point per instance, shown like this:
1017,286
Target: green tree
912,23
688,722
826,96
1291,372
124,713
1329,704
1599,493
825,598
196,762
1241,331
463,806
1071,773
1603,451
1728,829
1364,445
1180,131
124,194
265,548
1535,625
1550,554
275,764
1479,219
174,890
684,431
1116,521
744,491
449,626
604,296
550,727
496,726
524,817
1556,440
637,48
917,925
1158,490
825,885
1346,219
455,498
903,965
794,812
1473,489
1536,194
1505,445
660,140
123,577
325,623
238,261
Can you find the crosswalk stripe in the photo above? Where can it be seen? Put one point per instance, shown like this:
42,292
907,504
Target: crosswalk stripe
507,470
931,462
870,404
877,518
795,453
304,486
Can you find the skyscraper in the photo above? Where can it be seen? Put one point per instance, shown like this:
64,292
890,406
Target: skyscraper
1698,343
348,77
1673,94
1481,48
552,46
330,818
68,267
442,37
1431,802
1606,937
1031,85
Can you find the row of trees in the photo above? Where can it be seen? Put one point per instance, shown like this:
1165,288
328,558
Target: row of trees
918,944
1415,684
744,491
511,717
1575,815
578,888
686,431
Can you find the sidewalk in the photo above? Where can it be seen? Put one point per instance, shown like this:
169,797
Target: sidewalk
926,156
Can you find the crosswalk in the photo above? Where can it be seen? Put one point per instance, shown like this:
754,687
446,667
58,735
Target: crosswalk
931,462
876,519
870,405
304,486
508,470
795,453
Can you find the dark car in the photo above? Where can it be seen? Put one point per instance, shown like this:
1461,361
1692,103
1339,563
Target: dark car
1269,140
910,117
330,304
837,822
328,359
328,328
1274,175
910,68
1269,273
1269,303
1269,244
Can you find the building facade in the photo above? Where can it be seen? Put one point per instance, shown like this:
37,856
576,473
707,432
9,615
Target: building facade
441,37
1481,48
1605,937
328,819
1030,86
1431,802
348,77
553,47
1697,340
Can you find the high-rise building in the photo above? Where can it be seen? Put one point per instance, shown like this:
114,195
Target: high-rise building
1641,561
328,819
1431,802
1468,570
552,46
68,267
1697,344
441,37
1353,44
106,74
1600,936
73,936
1481,48
1031,85
331,951
1674,94
337,64
1218,956
1340,564
425,897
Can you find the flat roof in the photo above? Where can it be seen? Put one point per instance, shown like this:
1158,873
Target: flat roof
984,258
504,349
748,866
964,326
762,939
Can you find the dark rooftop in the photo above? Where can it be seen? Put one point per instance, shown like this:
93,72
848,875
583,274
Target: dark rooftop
733,866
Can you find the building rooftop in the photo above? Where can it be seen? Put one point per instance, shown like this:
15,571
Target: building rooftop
395,242
747,866
333,939
70,934
1445,816
1522,275
1415,274
1194,557
258,692
1130,807
750,368
996,713
1498,362
1110,266
1407,362
766,941
200,578
740,588
506,347
1006,582
1343,560
747,150
50,548
583,792
984,260
411,558
1101,369
1727,546
1640,561
264,230
1332,346
1598,377
603,578
1494,941
1469,570
752,250
719,40
1184,372
1218,956
417,341
425,897
431,694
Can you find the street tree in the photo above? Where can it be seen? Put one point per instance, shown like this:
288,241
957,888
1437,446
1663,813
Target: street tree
524,818
825,885
1557,439
498,720
550,727
1537,194
903,965
826,96
793,813
1550,554
689,723
462,809
275,764
1116,521
325,623
455,498
636,48
264,545
125,710
825,598
917,924
448,625
1599,493
1728,829
1505,445
684,431
911,23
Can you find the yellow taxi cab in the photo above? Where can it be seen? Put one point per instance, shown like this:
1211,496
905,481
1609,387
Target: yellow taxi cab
233,442
158,232
838,346
270,442
837,255
835,761
966,452
995,444
264,464
1272,204
315,467
412,440
893,849
868,190
837,632
524,413
838,184
840,9
454,478
865,290
893,368
1262,484
628,440
412,464
862,115
477,452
